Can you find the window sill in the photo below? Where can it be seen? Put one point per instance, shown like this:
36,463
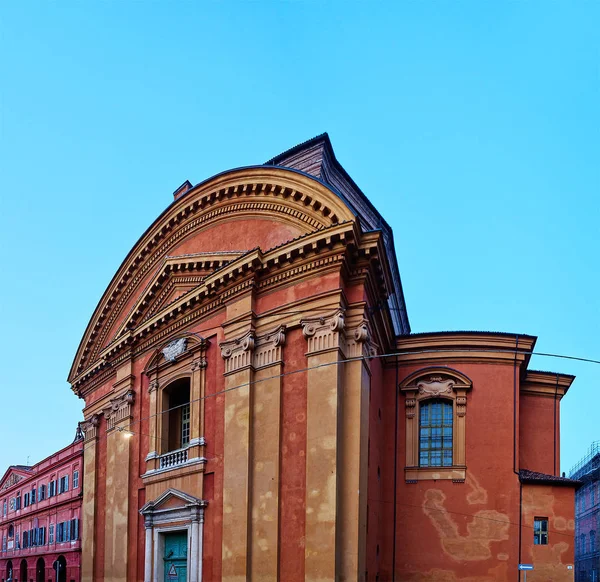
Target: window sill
456,474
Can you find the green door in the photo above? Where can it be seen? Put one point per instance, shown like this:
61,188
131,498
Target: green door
175,557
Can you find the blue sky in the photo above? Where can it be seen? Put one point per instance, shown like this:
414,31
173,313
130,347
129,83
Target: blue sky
473,127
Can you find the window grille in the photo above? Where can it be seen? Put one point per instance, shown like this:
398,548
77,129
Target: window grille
435,434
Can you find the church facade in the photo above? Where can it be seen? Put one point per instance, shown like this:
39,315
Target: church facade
256,407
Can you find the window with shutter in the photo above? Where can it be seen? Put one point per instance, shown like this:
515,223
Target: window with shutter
25,540
51,534
76,529
32,497
18,501
66,482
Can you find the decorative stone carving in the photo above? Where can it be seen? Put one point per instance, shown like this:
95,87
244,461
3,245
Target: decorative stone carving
153,386
324,333
199,364
90,427
435,386
12,480
268,348
237,353
358,341
410,404
119,409
175,349
461,405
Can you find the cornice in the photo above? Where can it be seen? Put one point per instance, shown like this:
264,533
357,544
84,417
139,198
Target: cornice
260,192
465,347
546,384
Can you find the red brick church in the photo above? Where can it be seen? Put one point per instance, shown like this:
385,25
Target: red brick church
256,407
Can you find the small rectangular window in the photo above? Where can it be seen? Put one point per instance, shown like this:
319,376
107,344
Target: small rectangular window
540,531
51,534
75,479
32,500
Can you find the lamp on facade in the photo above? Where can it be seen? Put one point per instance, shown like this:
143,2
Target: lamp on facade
126,433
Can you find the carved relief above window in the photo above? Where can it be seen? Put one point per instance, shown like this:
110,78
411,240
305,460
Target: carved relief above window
435,401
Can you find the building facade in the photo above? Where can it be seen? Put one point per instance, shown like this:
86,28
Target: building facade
40,519
587,516
256,407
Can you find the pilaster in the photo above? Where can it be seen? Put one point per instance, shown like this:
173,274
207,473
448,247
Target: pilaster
265,439
237,354
88,547
353,443
118,415
325,338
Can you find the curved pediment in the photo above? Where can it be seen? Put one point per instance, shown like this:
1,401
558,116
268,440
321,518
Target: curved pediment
231,213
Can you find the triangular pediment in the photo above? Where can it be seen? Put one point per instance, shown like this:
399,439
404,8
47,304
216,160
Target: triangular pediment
176,277
13,476
171,499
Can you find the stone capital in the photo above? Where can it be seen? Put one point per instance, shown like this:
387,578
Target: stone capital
119,409
268,347
90,427
237,352
324,333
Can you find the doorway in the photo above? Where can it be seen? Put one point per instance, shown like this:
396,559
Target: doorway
40,570
175,557
23,571
61,564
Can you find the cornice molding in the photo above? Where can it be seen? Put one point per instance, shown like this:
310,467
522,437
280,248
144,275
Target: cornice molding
465,347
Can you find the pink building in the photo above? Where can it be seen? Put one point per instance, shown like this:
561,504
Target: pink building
40,512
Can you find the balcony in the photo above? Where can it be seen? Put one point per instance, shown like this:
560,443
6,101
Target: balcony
173,459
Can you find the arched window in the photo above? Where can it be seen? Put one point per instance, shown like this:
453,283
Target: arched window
176,415
435,433
435,402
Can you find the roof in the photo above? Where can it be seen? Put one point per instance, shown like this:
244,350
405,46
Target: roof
536,478
317,158
472,332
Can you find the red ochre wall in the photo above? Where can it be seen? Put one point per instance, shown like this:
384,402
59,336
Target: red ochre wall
550,561
538,442
465,531
292,480
213,478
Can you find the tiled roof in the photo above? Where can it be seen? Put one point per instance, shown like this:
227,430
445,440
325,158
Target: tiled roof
527,476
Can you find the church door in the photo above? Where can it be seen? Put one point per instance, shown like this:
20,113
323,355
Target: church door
176,546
